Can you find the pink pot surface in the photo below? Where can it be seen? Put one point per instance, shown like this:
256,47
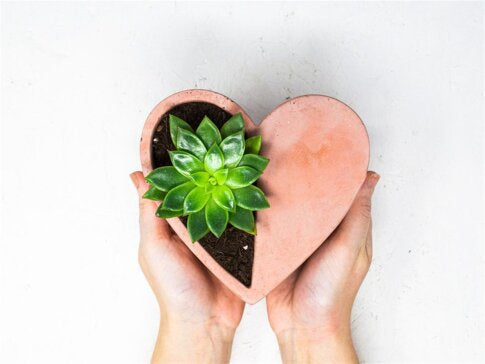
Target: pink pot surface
319,153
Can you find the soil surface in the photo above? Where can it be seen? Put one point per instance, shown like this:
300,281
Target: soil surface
234,250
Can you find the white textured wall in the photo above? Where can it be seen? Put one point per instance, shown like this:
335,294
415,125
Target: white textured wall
77,83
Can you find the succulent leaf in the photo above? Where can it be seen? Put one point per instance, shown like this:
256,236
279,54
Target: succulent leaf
224,197
233,125
200,178
253,144
214,159
208,132
185,163
175,123
176,196
216,217
166,214
221,176
188,141
154,194
165,178
195,200
197,225
212,177
233,149
242,176
255,161
251,198
243,219
209,187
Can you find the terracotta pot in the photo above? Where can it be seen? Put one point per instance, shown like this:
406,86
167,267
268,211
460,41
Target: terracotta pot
319,152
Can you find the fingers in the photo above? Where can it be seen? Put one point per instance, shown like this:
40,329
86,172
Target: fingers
150,225
356,224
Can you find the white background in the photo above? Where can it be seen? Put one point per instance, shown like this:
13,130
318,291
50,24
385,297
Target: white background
78,81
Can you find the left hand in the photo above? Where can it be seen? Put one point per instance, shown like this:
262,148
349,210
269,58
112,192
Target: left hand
199,315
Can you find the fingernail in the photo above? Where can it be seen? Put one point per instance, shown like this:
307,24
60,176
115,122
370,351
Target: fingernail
373,179
134,179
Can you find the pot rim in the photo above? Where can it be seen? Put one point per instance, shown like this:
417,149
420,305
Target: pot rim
178,98
258,289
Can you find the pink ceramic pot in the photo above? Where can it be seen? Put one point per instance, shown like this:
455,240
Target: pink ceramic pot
319,152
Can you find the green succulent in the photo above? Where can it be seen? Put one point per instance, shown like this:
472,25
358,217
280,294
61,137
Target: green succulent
211,177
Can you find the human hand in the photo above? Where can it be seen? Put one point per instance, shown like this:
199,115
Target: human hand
310,311
198,314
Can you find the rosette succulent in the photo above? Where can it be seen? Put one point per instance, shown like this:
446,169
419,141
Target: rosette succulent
212,177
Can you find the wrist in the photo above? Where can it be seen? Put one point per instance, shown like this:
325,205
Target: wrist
180,342
317,345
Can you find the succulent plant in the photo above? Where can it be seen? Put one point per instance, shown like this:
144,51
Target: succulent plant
211,177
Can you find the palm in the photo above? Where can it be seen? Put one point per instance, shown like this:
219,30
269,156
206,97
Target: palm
186,285
179,279
308,296
324,288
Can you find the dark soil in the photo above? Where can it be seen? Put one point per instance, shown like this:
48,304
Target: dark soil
234,250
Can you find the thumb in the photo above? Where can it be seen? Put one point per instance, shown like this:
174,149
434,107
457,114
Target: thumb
356,223
141,187
139,182
150,225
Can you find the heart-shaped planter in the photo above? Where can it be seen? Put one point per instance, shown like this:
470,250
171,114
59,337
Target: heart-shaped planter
319,153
